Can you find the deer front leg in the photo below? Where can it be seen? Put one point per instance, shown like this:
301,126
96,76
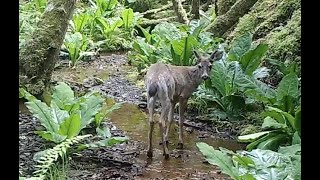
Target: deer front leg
182,107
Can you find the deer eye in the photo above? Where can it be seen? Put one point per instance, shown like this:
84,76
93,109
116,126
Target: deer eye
199,66
210,66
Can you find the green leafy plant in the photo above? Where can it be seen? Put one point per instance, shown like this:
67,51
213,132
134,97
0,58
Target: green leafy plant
127,17
76,44
81,21
182,51
282,116
280,128
103,6
46,159
40,5
257,164
66,116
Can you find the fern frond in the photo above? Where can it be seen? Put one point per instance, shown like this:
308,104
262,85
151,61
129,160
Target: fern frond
52,155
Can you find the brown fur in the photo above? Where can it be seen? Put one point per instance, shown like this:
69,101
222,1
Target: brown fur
171,85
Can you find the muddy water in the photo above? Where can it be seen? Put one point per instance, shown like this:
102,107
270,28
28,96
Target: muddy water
187,163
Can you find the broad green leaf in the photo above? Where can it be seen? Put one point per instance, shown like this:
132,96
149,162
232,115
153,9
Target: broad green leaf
105,5
296,138
244,161
272,165
286,104
255,143
288,86
104,132
80,21
98,119
219,77
240,46
51,136
89,109
127,17
247,177
40,5
297,121
58,115
290,150
260,73
167,31
280,118
252,59
184,48
274,142
252,137
146,33
62,95
258,90
71,126
269,122
218,158
41,111
287,116
116,24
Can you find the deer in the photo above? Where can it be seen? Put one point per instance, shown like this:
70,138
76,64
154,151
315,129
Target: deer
170,85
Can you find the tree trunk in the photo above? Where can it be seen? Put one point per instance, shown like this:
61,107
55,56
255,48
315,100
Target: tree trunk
181,13
223,6
195,9
38,56
223,22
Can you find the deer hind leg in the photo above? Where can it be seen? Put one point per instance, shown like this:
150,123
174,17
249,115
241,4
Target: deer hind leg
170,118
165,107
182,108
151,101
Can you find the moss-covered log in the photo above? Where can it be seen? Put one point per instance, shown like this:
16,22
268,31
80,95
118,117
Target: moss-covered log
195,9
223,6
38,55
180,12
223,22
265,16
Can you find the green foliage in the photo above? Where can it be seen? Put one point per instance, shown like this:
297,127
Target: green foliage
257,164
47,158
232,80
280,128
67,115
127,17
170,43
40,5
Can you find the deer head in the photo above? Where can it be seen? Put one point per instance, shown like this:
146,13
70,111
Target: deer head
204,65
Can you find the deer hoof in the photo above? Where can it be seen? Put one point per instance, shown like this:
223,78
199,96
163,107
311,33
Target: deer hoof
149,154
180,145
160,142
166,156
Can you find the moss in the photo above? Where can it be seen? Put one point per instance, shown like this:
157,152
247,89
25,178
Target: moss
264,16
249,129
224,5
284,42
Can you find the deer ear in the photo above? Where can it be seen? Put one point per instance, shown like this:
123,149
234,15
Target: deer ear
216,55
197,56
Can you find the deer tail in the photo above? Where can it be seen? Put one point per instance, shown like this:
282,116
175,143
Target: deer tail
152,89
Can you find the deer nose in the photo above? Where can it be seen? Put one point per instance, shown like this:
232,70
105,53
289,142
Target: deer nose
205,77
